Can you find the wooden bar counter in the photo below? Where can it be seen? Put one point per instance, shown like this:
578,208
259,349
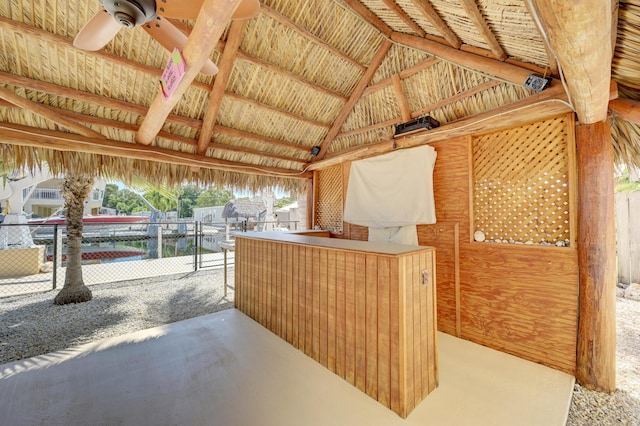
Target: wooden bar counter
364,310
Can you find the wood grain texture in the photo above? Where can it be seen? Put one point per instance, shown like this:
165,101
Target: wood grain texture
596,363
348,310
521,300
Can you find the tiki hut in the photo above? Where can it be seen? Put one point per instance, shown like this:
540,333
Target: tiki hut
528,104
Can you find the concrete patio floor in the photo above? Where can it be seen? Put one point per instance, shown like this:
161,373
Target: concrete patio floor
226,369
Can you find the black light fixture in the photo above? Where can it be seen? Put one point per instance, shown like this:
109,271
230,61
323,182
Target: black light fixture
315,151
419,123
537,83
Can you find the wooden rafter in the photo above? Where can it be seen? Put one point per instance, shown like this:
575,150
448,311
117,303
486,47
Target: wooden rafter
553,64
47,113
550,103
458,97
400,13
212,20
59,141
579,32
129,127
54,89
491,67
627,109
432,16
355,96
405,112
283,20
134,109
234,38
463,95
402,74
478,20
369,16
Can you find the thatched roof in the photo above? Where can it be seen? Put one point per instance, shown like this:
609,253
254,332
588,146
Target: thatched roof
244,209
336,74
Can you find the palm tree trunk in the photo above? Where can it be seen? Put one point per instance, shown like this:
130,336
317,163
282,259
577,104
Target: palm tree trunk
75,190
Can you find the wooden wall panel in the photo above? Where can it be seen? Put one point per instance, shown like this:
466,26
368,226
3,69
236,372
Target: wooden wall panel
370,318
531,310
496,295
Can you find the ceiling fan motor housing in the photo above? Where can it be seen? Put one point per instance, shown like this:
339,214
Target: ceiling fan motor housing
131,13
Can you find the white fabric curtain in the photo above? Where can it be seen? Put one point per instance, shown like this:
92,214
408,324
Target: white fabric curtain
392,190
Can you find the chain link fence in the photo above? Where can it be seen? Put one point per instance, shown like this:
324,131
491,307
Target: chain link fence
33,258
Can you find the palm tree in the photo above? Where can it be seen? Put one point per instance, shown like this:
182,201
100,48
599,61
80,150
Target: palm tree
75,189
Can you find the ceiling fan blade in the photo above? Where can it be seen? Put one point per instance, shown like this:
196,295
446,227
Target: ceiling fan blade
189,9
247,9
97,32
169,37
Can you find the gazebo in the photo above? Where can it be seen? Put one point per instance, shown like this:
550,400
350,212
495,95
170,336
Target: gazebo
529,105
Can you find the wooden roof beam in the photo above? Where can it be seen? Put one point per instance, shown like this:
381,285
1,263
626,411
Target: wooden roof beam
550,103
129,127
478,20
79,95
210,24
40,34
277,16
432,16
393,6
492,67
234,38
627,109
463,95
369,16
403,74
353,99
579,32
405,112
60,141
48,114
553,63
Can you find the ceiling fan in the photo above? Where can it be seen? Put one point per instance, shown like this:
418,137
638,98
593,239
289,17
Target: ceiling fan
152,16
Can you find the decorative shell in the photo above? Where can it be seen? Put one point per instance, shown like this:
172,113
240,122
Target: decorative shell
478,236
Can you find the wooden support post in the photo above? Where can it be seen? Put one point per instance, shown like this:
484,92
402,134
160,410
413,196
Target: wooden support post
311,200
596,358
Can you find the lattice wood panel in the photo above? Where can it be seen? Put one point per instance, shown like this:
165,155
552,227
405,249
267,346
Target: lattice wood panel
329,200
521,184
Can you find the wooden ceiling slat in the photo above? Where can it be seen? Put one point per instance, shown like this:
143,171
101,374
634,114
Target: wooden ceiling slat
432,16
309,35
355,96
211,23
225,67
476,17
460,96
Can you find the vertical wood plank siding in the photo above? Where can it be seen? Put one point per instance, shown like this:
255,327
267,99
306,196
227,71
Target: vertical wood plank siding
366,317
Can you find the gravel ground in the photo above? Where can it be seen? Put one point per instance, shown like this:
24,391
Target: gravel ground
32,325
